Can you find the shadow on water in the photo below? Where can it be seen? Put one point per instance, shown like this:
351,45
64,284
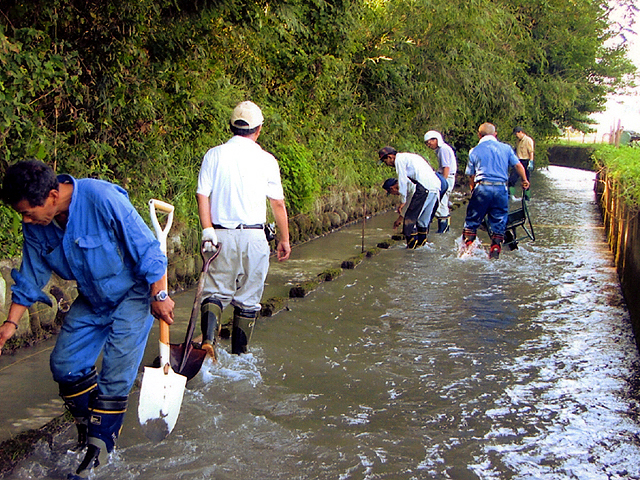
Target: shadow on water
418,365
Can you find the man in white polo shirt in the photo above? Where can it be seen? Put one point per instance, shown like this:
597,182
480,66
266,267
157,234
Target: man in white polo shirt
413,168
235,180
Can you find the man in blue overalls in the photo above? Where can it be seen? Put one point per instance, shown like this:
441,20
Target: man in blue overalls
87,230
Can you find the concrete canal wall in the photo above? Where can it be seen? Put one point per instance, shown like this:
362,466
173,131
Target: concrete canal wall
622,224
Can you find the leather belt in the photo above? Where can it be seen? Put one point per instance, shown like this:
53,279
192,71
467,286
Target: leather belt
242,226
484,182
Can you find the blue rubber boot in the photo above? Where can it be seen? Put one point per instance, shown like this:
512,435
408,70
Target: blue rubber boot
443,225
76,397
105,422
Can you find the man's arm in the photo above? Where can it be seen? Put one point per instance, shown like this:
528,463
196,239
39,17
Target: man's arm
445,171
523,175
282,223
472,181
162,310
204,211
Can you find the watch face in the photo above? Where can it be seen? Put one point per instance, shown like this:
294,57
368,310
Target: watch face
161,296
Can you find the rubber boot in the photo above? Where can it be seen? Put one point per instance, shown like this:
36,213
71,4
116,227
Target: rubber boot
527,194
76,397
496,246
422,236
512,191
243,323
468,237
443,225
412,240
105,422
210,313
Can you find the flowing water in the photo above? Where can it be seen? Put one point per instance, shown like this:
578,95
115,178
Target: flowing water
417,365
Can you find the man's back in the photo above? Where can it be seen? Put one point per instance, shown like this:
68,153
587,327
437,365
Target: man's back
490,160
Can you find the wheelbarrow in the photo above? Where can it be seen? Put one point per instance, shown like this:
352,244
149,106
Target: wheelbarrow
517,218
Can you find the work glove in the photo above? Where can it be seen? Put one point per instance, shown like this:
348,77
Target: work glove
530,166
209,240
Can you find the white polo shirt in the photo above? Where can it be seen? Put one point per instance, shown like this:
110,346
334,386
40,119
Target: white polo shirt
413,166
238,177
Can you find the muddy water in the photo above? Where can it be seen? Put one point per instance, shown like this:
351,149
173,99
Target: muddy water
418,365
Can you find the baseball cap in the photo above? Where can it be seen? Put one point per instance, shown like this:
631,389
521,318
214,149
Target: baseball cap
383,152
246,115
388,183
518,129
433,134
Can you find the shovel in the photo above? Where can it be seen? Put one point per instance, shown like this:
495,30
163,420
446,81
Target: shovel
162,389
187,359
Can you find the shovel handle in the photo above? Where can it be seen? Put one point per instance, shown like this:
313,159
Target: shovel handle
161,233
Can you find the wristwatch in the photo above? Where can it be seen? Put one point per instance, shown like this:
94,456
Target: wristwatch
161,296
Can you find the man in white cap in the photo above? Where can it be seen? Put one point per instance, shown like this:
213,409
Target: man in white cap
235,180
447,166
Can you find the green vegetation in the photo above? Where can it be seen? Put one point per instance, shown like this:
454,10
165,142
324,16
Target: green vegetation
623,166
136,92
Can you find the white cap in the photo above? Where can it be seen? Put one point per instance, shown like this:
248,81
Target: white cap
433,134
246,115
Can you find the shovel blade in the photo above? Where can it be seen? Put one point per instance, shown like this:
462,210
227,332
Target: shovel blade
192,363
160,401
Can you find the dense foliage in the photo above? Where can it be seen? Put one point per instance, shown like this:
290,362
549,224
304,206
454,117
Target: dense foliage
623,166
136,92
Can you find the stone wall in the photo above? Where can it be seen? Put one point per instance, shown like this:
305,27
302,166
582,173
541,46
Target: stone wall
336,209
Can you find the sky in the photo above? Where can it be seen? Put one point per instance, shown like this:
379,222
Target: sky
623,108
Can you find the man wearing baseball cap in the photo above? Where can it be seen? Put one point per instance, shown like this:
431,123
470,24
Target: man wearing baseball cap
447,167
235,180
413,168
524,151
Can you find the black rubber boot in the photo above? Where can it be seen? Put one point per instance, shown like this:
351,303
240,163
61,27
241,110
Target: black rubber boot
443,225
496,246
210,313
76,397
105,422
422,236
243,323
412,240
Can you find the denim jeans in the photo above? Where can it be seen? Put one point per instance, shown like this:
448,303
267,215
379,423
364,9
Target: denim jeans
492,201
120,335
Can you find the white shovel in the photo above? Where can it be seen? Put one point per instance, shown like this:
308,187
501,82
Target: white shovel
162,389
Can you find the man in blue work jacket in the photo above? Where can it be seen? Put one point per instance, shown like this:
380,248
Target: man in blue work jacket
87,230
488,170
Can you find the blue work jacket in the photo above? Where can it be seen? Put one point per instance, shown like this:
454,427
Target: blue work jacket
106,247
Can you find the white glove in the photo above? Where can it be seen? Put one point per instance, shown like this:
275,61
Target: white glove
209,240
530,166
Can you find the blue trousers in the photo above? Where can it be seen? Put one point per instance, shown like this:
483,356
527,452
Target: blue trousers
492,201
120,335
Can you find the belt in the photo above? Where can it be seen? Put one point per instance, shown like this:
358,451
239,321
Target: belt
242,226
484,182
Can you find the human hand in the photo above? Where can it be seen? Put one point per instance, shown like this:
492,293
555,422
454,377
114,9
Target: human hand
398,222
209,240
283,251
163,310
6,332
